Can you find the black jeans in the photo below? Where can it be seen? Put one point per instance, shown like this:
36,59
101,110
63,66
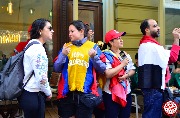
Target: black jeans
115,110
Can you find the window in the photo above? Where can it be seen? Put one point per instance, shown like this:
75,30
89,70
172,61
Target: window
16,17
172,16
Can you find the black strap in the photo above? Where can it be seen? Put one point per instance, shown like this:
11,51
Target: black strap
27,46
28,79
30,44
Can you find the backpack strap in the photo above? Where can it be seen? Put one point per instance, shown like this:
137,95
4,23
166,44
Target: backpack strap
27,46
28,79
30,44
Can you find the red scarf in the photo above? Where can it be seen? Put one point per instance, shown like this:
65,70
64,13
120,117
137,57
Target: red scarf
146,39
117,90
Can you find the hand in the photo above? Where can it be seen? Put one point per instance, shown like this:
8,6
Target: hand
66,49
43,81
177,70
122,78
49,97
125,62
92,52
176,33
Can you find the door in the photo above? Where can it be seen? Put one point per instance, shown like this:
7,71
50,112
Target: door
63,15
90,13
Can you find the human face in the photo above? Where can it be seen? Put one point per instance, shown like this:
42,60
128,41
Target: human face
154,29
74,34
117,42
178,62
47,32
90,32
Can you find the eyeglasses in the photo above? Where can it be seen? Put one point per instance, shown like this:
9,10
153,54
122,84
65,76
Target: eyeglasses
50,28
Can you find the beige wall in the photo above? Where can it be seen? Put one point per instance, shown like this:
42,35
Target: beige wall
128,16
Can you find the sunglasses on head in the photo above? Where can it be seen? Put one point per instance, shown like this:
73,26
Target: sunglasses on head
50,28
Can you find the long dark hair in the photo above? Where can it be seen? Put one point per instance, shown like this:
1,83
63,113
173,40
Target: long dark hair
79,26
37,25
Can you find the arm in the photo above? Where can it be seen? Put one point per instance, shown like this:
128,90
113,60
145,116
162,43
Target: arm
102,67
175,47
95,54
111,72
98,64
127,75
174,53
130,69
58,64
39,62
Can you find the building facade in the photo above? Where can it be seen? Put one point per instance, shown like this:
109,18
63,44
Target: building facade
101,15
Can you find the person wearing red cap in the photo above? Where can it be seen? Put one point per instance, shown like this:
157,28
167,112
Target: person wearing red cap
22,45
119,67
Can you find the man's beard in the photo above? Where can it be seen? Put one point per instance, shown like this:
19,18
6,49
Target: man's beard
155,34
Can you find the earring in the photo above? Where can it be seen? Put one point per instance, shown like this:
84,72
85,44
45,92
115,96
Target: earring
40,33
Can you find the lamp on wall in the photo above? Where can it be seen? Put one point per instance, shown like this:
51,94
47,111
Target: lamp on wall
31,11
9,8
50,13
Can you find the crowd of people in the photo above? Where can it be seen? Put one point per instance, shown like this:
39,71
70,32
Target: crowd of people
80,61
117,71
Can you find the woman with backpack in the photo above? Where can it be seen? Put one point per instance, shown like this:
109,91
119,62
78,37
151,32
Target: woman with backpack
36,86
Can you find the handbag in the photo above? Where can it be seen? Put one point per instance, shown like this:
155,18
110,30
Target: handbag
90,100
167,95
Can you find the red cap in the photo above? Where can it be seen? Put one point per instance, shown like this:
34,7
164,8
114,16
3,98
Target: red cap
29,28
112,34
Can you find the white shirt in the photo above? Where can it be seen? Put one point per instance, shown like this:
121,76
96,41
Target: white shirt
35,59
156,56
130,66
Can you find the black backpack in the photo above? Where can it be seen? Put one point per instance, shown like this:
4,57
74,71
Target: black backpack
12,75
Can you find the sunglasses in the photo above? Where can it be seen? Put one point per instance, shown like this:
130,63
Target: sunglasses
50,28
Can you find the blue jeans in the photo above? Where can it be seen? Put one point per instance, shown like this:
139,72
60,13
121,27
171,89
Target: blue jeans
153,100
177,100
